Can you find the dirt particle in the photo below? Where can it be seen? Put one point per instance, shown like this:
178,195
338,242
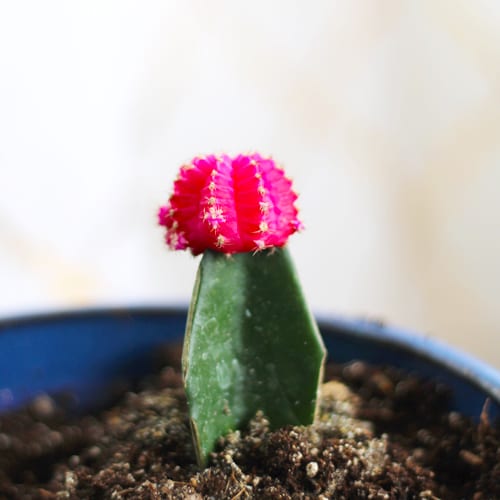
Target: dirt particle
471,458
43,406
312,469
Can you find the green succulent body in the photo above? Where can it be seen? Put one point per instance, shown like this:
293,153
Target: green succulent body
251,344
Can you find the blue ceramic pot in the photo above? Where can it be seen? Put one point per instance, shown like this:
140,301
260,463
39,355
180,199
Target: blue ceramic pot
89,353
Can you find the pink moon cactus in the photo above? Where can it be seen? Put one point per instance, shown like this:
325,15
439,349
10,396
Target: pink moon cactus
230,205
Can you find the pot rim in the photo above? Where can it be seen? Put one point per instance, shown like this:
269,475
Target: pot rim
419,345
422,346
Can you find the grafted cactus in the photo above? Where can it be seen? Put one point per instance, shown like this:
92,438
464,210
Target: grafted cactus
251,343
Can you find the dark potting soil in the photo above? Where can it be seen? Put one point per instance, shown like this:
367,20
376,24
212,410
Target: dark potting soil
381,434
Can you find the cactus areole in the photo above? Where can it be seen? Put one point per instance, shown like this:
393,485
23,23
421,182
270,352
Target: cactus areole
251,343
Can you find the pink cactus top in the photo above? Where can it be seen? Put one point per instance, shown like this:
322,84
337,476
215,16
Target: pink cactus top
230,205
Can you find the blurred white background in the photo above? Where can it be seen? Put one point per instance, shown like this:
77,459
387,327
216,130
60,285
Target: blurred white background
385,113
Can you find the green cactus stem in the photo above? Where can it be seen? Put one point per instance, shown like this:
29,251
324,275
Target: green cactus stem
251,344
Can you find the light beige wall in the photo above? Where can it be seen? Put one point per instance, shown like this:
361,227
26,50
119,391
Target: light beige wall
386,114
